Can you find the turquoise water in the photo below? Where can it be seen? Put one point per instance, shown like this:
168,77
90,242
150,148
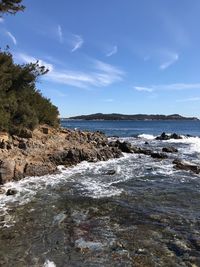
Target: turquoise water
133,128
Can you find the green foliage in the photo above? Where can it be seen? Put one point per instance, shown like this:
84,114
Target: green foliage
11,6
21,104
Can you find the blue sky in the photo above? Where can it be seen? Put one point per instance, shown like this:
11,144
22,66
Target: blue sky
130,56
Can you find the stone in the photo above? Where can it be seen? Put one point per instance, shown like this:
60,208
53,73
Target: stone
124,146
7,168
11,192
157,155
22,145
182,165
2,191
2,145
4,136
170,149
25,133
109,172
38,169
45,130
165,136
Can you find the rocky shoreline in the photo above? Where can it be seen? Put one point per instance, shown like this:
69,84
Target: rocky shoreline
39,152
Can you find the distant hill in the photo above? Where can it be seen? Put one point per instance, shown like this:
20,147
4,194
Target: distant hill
136,117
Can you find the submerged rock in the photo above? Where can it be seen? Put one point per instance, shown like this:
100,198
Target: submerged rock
170,149
157,155
11,192
109,172
182,165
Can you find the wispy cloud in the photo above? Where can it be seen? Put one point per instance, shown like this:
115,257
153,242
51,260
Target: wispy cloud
169,87
1,20
113,51
171,59
101,75
76,42
24,58
60,33
143,89
12,37
190,99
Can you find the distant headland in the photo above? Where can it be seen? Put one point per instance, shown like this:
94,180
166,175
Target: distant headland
135,117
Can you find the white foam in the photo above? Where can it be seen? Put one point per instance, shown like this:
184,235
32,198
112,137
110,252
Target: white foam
49,263
147,136
193,142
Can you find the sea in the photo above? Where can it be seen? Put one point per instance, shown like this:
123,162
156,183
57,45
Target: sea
146,214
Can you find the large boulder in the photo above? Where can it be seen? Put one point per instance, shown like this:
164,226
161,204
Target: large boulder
7,168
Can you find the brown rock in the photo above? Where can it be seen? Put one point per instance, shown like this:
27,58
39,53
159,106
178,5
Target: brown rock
7,168
45,130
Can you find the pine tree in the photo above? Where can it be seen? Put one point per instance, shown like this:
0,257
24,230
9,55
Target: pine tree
10,6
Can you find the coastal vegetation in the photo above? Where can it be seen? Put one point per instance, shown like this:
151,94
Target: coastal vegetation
21,104
11,6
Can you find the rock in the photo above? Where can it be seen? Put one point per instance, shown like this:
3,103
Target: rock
7,168
175,136
2,191
109,172
146,143
2,144
38,169
157,155
181,165
170,149
25,133
164,136
22,145
124,146
139,150
4,136
11,192
45,130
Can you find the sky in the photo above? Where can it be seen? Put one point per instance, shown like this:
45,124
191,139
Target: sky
111,56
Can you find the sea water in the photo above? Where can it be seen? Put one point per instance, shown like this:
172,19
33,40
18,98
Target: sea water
146,214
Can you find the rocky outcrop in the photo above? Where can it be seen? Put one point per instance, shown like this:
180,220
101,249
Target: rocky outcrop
39,152
186,166
165,136
123,146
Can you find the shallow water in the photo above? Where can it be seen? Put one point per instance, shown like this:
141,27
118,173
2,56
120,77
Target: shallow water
146,214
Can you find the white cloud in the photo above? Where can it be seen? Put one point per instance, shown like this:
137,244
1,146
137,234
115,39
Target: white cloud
76,42
113,51
1,20
171,59
101,75
143,89
169,87
190,99
24,58
12,37
60,34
